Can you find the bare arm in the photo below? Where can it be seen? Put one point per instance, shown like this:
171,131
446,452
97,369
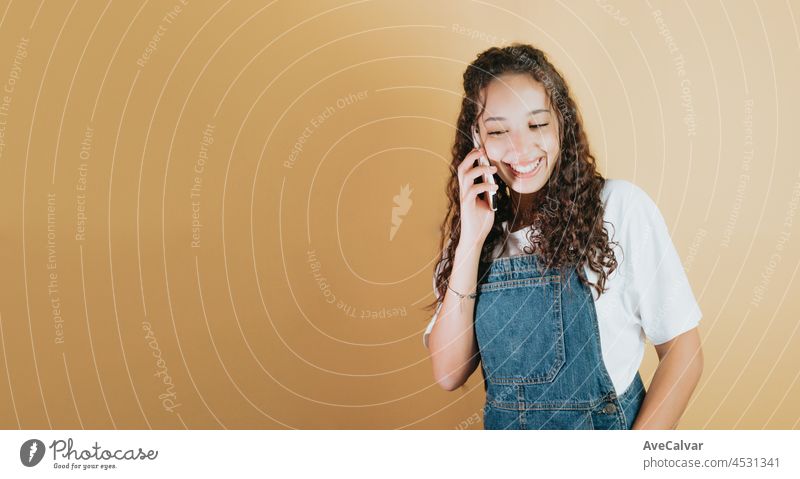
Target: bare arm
679,369
452,342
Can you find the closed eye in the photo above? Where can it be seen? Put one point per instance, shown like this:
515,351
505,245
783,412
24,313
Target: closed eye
533,127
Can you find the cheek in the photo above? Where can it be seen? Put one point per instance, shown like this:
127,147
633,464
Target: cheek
551,144
495,149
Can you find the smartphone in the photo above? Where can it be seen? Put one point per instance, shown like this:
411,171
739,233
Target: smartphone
487,177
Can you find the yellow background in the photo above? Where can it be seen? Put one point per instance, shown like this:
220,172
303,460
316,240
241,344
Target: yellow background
243,321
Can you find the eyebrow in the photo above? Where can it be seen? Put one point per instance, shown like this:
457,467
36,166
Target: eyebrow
533,112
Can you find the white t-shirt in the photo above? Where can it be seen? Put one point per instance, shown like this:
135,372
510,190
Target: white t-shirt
647,296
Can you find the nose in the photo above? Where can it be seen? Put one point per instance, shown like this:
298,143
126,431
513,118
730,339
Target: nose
524,144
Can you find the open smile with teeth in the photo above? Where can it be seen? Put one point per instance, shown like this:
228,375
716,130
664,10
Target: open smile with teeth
528,169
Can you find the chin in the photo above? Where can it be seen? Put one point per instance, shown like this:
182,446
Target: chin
527,190
524,187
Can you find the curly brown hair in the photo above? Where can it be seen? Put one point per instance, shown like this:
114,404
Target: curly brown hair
568,210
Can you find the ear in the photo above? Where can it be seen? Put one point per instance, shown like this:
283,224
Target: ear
476,135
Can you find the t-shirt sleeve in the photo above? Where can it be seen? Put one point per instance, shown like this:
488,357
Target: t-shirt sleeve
430,326
436,314
435,292
658,288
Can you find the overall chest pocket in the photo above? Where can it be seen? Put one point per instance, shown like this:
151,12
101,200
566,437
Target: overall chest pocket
519,330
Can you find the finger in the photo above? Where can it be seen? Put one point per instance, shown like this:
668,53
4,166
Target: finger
477,188
468,161
477,171
466,165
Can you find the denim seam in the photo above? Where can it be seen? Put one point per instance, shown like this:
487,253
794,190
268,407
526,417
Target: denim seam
563,406
572,405
490,285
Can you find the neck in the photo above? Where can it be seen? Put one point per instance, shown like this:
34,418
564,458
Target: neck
522,206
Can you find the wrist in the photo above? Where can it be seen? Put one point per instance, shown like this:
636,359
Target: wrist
467,251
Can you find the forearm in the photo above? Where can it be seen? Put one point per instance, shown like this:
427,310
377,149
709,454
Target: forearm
673,383
452,339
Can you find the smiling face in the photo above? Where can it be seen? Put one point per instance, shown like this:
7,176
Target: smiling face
519,131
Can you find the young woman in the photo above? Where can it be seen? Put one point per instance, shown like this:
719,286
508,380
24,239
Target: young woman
554,292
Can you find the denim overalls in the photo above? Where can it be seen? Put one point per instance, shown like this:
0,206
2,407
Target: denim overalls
540,352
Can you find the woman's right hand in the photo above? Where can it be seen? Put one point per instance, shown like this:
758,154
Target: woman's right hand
476,215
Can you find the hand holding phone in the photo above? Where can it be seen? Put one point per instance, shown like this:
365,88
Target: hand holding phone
487,177
477,212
